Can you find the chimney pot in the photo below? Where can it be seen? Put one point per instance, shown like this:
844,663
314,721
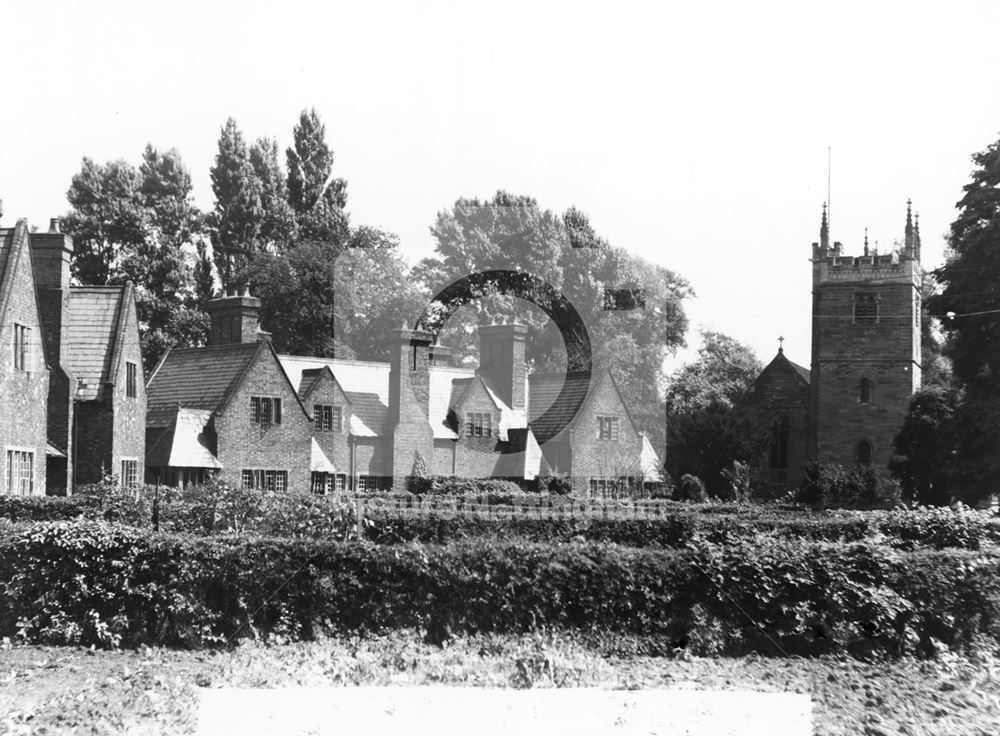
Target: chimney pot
54,225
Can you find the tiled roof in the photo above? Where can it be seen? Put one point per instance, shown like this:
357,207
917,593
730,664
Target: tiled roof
183,444
90,335
198,378
550,409
804,372
368,409
12,242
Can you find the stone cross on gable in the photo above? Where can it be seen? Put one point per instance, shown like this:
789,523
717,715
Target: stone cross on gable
781,344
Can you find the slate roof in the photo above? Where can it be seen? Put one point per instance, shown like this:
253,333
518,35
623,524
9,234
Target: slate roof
95,326
197,378
549,408
183,444
13,243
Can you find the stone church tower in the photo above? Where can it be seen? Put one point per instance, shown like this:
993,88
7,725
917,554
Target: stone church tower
865,348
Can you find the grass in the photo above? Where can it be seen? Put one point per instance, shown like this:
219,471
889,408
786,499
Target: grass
49,690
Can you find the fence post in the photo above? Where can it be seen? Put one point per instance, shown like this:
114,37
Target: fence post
359,515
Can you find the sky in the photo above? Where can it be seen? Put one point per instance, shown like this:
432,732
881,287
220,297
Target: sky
694,134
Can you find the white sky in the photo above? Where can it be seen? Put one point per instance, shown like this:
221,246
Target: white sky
694,133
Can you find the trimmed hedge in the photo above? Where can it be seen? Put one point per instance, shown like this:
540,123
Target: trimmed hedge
230,511
90,583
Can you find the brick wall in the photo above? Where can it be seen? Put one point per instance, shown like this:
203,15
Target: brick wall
245,445
476,457
129,428
23,414
335,444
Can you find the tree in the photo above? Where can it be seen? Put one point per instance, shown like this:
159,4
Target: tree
236,219
971,292
723,372
141,225
707,434
935,366
317,197
924,461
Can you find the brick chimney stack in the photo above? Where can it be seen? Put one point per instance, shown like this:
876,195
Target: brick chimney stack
409,398
235,319
502,360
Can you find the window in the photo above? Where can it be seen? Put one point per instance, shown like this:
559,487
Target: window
864,453
865,391
367,483
130,385
321,483
22,337
340,482
129,477
778,457
327,418
865,309
607,428
20,472
478,424
266,480
265,410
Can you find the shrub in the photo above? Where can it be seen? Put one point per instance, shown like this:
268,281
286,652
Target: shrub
831,486
89,583
559,485
937,526
691,488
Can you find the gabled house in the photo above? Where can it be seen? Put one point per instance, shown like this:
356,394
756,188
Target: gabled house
358,425
24,376
227,408
97,404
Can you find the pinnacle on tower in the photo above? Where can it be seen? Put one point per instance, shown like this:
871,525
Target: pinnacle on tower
824,230
866,241
908,240
916,235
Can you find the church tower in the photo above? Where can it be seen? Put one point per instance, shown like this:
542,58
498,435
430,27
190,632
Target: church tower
865,348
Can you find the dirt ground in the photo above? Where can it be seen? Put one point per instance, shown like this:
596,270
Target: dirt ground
55,690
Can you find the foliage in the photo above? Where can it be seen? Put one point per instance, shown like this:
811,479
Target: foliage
971,292
938,526
723,372
317,197
86,583
925,446
829,485
708,441
559,485
691,488
140,225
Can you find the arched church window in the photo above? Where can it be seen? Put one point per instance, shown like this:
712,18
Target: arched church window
864,453
778,457
865,391
865,309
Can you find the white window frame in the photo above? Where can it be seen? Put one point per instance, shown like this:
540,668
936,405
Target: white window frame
613,425
10,486
265,410
264,479
22,347
478,424
123,481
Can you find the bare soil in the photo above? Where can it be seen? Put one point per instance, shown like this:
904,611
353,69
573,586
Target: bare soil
55,690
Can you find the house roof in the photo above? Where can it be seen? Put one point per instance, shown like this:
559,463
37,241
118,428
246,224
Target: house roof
183,443
93,335
13,246
197,378
780,362
319,462
550,408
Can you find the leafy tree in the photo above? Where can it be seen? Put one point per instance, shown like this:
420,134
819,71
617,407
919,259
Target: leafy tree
723,372
317,197
935,365
277,226
141,225
236,220
707,434
924,446
971,292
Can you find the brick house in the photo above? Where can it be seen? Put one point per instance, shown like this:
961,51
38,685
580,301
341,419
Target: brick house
366,425
82,342
227,408
865,364
24,376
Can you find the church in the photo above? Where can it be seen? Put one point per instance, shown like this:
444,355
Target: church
864,367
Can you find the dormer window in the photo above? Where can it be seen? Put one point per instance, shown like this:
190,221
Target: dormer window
327,418
478,424
865,309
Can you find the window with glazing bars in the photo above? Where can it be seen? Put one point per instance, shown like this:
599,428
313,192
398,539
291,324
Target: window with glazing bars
265,410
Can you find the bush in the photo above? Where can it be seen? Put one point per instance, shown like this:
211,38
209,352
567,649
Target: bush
937,526
829,485
559,485
691,488
89,583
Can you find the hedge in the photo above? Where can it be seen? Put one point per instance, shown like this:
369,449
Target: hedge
91,583
303,515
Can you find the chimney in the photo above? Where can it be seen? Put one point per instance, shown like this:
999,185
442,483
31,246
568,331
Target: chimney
50,258
234,319
409,398
501,359
439,355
